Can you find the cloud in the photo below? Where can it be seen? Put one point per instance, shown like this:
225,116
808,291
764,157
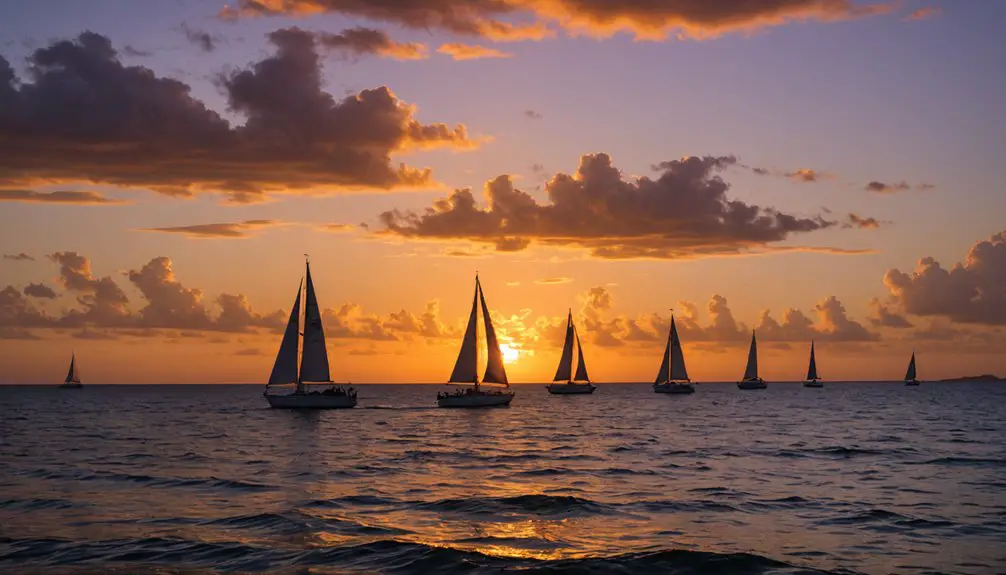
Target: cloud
553,281
39,290
460,51
645,19
337,228
245,229
884,317
60,197
532,115
21,257
16,311
902,186
923,13
350,321
360,41
81,115
684,213
861,222
17,333
94,335
971,291
203,40
135,52
807,175
833,325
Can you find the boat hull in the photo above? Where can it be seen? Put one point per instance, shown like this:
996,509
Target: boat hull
674,388
813,384
311,401
71,386
571,388
476,400
758,384
912,383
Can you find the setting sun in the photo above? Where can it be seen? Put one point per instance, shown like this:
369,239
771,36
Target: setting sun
510,354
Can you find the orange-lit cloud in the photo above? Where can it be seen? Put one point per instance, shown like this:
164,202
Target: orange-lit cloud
59,197
683,213
360,41
232,230
84,116
460,51
808,175
924,13
649,19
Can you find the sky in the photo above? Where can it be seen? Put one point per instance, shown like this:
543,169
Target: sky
823,170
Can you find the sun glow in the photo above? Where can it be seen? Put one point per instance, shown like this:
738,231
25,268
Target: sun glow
510,354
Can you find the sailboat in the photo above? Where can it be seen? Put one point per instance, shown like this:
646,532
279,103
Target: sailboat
673,377
565,381
72,376
493,390
313,361
910,376
751,379
812,379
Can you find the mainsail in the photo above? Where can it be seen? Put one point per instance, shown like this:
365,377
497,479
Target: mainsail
314,357
565,369
812,368
672,368
751,371
72,376
581,367
466,369
494,364
285,368
910,374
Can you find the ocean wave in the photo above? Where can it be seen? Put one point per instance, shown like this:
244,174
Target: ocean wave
533,504
965,461
35,504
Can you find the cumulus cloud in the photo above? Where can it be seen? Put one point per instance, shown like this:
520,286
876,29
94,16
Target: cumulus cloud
21,257
861,222
17,312
972,291
233,230
361,41
833,324
883,316
646,19
39,290
684,213
81,115
59,197
459,51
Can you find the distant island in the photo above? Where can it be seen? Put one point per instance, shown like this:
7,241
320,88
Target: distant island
983,377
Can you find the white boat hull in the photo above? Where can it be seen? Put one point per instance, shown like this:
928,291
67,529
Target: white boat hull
476,400
310,401
674,388
813,384
759,384
571,388
71,386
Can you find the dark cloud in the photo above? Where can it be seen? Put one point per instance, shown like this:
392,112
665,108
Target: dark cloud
884,317
21,257
83,116
862,222
532,115
684,213
232,230
39,290
360,41
203,40
135,52
459,51
892,188
650,19
60,197
17,312
972,291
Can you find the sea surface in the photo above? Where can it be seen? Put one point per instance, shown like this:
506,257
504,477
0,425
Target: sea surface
852,478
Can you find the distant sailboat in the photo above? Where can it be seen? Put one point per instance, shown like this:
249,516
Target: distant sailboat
565,381
910,375
812,379
751,379
673,376
73,376
313,361
493,390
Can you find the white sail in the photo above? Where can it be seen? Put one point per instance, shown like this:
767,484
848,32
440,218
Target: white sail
910,375
581,367
812,368
751,371
565,369
285,368
494,365
466,369
314,357
73,376
678,370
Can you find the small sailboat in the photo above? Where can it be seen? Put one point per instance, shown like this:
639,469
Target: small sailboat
72,376
751,379
673,376
812,379
313,362
493,390
565,381
910,375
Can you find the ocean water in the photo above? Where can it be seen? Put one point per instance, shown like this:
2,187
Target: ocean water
852,478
